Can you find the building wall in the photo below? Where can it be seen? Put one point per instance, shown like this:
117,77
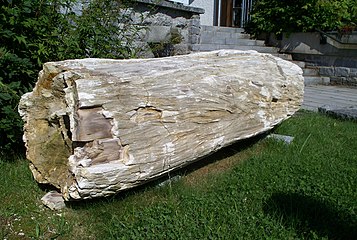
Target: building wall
208,6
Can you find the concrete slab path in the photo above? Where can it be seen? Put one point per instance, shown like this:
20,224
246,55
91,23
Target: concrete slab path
334,96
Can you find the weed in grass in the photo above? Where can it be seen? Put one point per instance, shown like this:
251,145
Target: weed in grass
4,227
58,227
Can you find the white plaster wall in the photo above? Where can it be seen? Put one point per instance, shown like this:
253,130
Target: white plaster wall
208,6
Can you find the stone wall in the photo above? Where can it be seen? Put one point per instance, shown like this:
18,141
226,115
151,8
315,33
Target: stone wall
169,28
313,48
164,28
340,75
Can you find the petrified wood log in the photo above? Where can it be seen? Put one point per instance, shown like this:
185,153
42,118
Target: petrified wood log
94,127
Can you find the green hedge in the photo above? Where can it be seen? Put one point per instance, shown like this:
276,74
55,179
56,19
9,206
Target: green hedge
277,16
36,31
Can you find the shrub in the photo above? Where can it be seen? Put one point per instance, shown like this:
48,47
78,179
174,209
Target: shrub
36,31
101,29
276,16
24,26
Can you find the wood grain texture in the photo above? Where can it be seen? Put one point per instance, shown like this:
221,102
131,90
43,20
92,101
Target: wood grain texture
121,123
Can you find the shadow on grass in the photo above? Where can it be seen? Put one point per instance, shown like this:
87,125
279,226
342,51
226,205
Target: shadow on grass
221,154
306,215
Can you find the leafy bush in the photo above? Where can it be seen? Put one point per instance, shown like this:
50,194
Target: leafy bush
97,32
36,31
278,16
24,26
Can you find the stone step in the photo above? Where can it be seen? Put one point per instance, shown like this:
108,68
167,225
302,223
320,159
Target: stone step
244,42
233,41
203,47
212,47
260,43
221,29
315,80
208,37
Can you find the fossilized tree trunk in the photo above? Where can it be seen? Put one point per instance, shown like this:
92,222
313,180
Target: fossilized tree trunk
94,127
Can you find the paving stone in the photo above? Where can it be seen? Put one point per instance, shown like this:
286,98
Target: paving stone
319,95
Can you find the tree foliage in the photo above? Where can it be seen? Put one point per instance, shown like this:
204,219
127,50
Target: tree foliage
36,31
277,16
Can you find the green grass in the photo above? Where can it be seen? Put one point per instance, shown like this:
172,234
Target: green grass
260,189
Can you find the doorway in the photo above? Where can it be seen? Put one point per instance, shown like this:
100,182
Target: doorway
234,13
226,16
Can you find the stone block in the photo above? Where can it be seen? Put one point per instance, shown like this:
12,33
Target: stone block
180,22
353,72
158,34
206,37
342,71
327,71
185,36
194,39
158,19
195,22
180,49
336,80
311,72
195,30
351,81
325,80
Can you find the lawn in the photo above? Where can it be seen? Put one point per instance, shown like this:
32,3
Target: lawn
256,189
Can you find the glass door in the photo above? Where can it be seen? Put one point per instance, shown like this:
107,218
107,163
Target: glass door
241,12
237,13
